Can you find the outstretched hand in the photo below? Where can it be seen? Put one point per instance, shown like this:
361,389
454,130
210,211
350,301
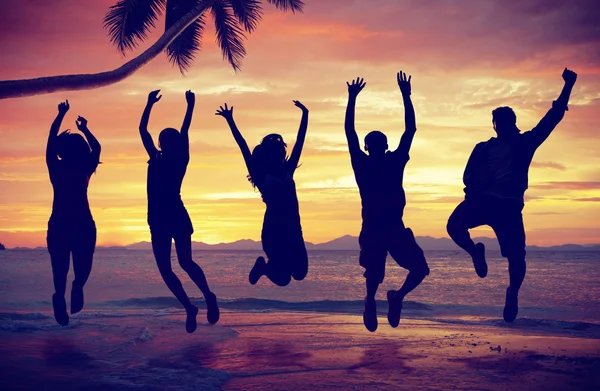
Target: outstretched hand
153,97
63,107
299,104
225,112
190,97
403,83
81,123
356,86
569,76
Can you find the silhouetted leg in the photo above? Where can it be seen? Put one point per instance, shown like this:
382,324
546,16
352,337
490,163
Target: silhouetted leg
60,258
458,228
183,246
299,268
372,286
373,254
467,216
161,246
409,255
516,270
278,275
274,247
60,269
83,255
509,229
258,270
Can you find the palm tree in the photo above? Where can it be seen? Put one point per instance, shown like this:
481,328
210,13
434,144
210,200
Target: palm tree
128,23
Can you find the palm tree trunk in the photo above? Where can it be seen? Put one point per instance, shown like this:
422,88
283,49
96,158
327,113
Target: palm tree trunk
46,85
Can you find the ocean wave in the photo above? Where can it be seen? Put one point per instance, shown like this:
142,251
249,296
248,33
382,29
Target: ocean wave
541,321
252,304
8,316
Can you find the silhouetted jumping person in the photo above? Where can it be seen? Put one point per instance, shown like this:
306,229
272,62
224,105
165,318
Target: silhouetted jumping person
495,181
273,173
379,177
167,217
71,162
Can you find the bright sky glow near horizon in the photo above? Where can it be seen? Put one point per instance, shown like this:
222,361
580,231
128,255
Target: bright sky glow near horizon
465,58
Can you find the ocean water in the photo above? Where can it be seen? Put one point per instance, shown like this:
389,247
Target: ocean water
130,335
559,286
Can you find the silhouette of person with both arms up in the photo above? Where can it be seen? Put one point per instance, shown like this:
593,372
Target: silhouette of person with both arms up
273,174
167,217
495,181
379,177
71,162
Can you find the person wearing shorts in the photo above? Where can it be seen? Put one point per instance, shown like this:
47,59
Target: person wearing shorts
379,174
168,219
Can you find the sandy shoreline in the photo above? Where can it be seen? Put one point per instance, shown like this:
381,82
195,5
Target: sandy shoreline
290,351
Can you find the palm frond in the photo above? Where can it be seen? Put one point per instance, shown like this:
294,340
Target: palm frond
292,5
129,21
230,35
248,13
182,50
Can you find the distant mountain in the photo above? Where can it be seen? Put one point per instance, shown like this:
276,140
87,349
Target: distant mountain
2,247
350,243
244,244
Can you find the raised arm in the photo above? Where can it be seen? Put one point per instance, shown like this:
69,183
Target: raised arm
153,97
227,113
297,151
353,90
410,123
187,120
542,130
51,154
92,141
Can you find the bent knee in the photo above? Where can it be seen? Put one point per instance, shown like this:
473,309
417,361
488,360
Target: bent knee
517,262
453,227
300,275
281,279
420,270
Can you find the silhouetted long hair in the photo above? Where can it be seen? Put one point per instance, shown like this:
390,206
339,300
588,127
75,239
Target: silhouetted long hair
169,141
74,151
268,157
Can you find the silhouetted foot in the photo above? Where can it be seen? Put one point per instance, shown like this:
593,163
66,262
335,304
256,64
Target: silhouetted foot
258,270
370,315
212,309
190,322
511,306
479,260
76,299
394,308
60,310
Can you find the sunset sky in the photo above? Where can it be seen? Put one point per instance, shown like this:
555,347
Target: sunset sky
465,57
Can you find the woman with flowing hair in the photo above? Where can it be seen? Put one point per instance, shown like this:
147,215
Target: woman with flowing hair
71,161
272,172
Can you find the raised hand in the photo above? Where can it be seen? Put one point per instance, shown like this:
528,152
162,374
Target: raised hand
298,104
569,76
225,112
81,123
153,97
356,86
63,107
403,83
190,97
